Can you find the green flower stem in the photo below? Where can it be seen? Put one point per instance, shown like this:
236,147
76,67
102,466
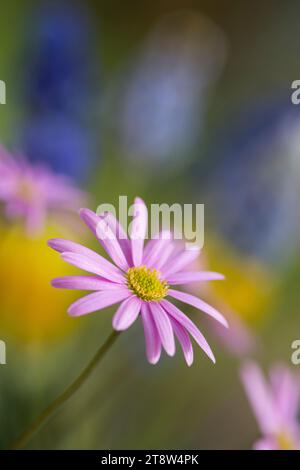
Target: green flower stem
27,435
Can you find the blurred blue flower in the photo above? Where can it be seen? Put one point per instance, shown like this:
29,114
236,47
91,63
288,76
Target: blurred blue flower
59,92
254,182
61,142
164,100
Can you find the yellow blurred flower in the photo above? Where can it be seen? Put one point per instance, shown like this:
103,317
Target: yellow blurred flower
249,288
31,310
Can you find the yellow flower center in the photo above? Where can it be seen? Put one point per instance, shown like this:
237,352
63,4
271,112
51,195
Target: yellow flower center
146,283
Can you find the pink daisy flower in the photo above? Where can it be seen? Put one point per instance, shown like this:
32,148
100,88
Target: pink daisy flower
30,192
275,405
141,280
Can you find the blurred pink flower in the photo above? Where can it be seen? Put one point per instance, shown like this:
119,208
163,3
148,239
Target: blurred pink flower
30,192
141,279
275,405
239,340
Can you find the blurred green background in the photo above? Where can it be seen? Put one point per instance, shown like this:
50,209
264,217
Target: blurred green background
186,101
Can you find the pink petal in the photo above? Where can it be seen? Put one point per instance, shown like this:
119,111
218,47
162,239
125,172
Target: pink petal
184,341
112,272
155,248
165,256
164,327
61,245
198,303
286,392
187,277
152,338
83,283
180,261
121,235
97,301
105,235
189,326
92,266
260,397
127,313
138,230
163,235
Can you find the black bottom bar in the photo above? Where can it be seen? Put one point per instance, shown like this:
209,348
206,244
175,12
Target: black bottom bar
138,458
